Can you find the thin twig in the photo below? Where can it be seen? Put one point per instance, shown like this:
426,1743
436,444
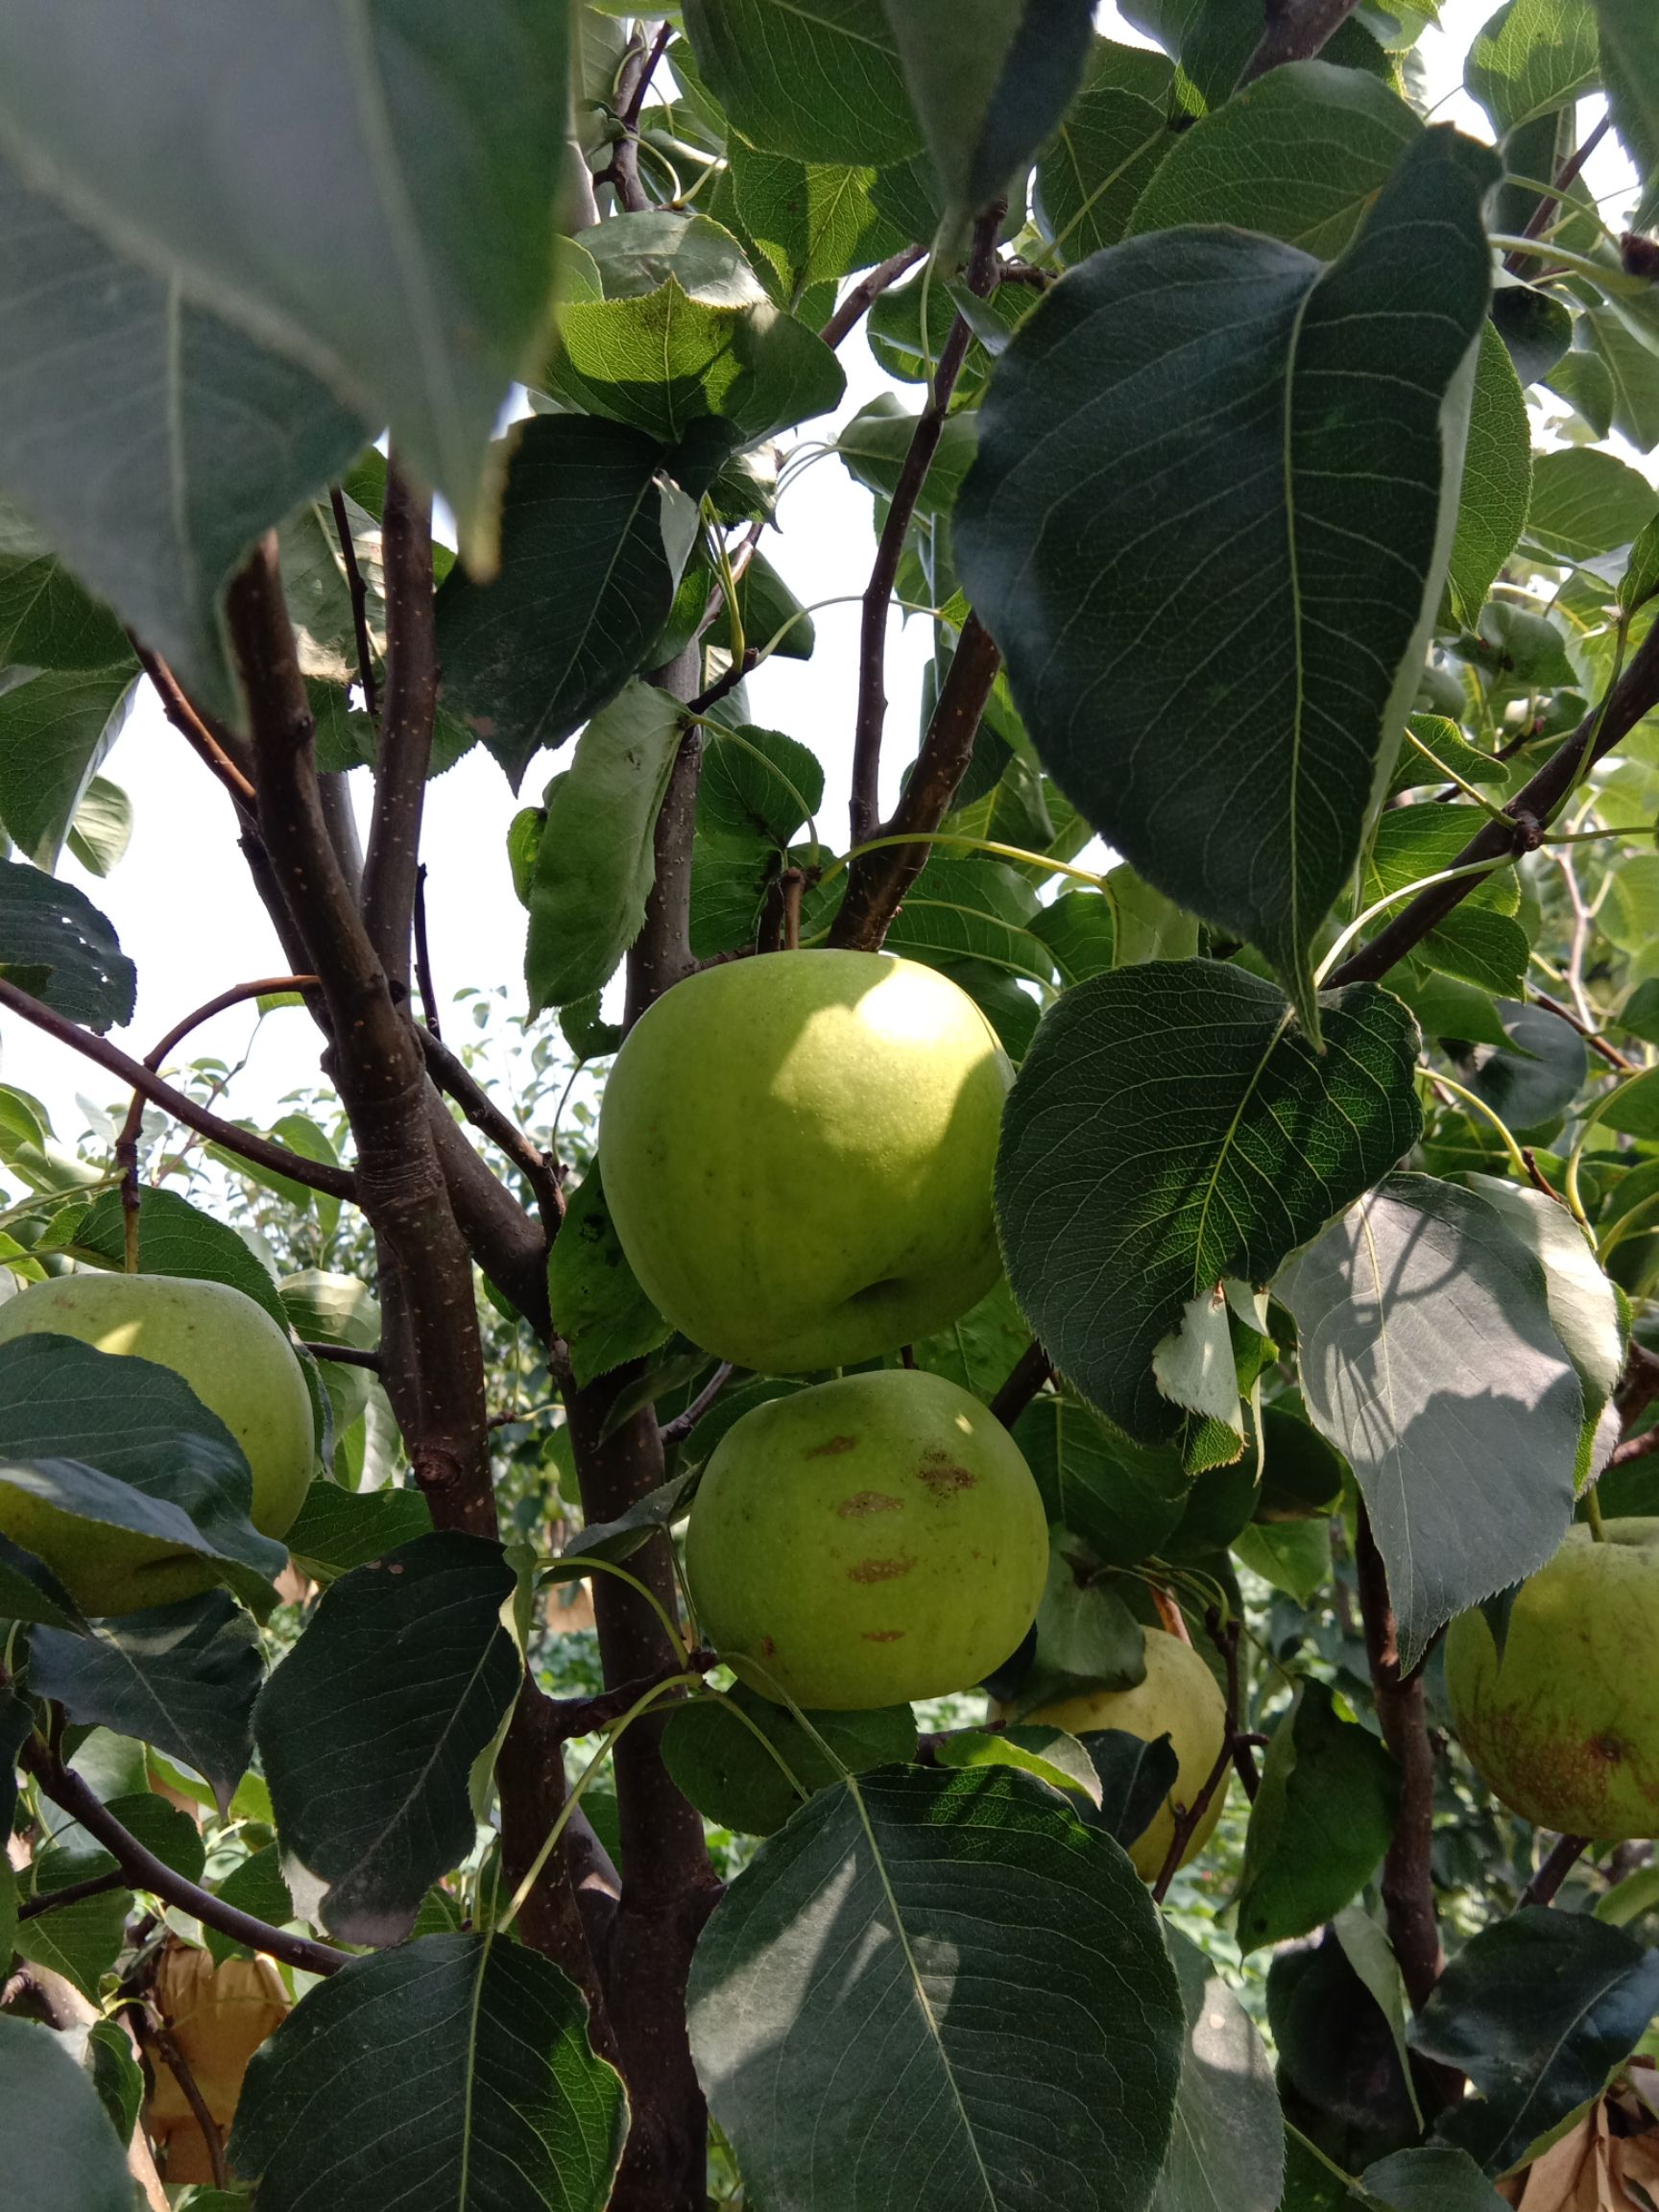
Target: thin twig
622,171
1028,1375
856,303
1296,30
260,1151
345,1356
1188,1819
154,2031
211,745
452,1076
390,870
359,591
724,684
676,1431
1541,217
71,1893
424,958
1592,1036
1563,1856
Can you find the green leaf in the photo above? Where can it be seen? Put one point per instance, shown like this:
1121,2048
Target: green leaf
55,728
755,784
62,2153
1584,1307
978,1349
989,80
1053,1756
1429,1358
101,827
734,1781
148,440
1533,58
176,1238
1094,168
339,1529
1290,1555
1136,1779
768,609
596,861
1300,155
1630,68
454,2070
593,539
962,908
1497,479
875,443
1537,2010
1539,1071
1586,502
1213,39
1640,581
1228,2143
55,944
116,2075
1080,929
80,1940
1329,1803
599,1306
30,1591
1121,1498
230,174
928,1889
368,1729
181,1677
46,619
1171,1126
1432,2178
123,1443
1089,563
1086,1636
253,1885
810,222
822,84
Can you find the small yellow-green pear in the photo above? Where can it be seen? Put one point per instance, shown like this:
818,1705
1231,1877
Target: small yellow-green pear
866,1542
798,1154
1565,1726
1179,1699
234,1359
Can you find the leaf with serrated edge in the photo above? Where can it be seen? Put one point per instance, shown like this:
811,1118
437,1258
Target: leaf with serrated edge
1171,1126
1199,357
1228,2143
1429,1360
62,2153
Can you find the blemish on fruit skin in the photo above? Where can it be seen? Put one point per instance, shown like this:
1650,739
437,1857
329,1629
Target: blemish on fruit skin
944,1475
864,1502
882,1635
833,1448
879,1570
768,1649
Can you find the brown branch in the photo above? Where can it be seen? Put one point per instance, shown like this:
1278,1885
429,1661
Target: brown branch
1186,1820
1523,819
71,1893
1641,1447
260,1151
661,955
1596,1043
1541,217
212,744
390,870
160,2043
434,1358
587,1715
726,683
346,1355
1563,1856
359,591
877,881
142,1870
451,1074
632,85
423,977
856,303
1026,1377
1295,32
1407,1871
872,712
676,1431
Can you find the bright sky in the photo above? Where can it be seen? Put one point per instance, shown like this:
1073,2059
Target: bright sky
181,899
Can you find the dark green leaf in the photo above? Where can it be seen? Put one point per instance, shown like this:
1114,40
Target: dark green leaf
1086,564
596,859
619,1538
441,139
1328,1802
824,85
857,1948
1085,1638
1228,2143
1121,1498
454,2070
182,1677
1497,479
978,1351
55,944
1080,929
1136,1778
599,1306
62,2153
55,728
1465,1452
176,1239
768,610
962,908
30,1591
367,1730
874,445
734,1781
339,1529
1291,1556
253,1885
1537,2010
1540,1076
80,1941
593,539
116,2076
1429,2179
1536,328
148,440
1093,169
1171,1126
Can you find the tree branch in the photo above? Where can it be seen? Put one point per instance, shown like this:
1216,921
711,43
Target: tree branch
1295,32
1026,1377
876,881
1226,1642
359,591
451,1074
1563,1856
212,744
142,1870
856,303
390,870
260,1151
1523,819
872,713
676,1431
1407,1874
661,955
436,1387
622,171
423,977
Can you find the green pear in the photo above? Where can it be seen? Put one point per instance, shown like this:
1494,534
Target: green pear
1565,1726
797,1153
238,1364
865,1542
1179,1699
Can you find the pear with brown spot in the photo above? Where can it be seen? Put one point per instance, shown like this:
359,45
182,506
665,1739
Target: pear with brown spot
867,1542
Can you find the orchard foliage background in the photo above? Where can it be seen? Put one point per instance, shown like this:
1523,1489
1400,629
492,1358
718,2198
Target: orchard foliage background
1267,461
